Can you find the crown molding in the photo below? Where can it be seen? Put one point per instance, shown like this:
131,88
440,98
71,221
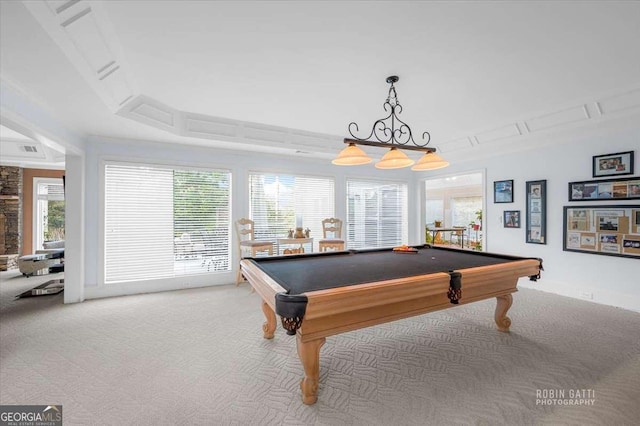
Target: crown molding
154,113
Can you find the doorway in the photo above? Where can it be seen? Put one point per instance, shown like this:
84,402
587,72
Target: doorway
48,211
455,201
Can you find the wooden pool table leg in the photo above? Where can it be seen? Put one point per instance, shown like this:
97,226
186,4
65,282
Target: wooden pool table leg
269,327
502,320
309,353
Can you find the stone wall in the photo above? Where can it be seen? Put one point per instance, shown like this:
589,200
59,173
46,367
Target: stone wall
3,231
11,182
8,261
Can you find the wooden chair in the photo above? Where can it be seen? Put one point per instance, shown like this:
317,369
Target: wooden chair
331,235
248,244
459,235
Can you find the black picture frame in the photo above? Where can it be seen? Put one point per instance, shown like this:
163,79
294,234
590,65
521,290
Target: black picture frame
608,230
511,218
503,191
536,220
605,189
616,164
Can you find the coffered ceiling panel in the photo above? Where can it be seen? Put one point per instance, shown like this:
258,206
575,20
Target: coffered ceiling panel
291,76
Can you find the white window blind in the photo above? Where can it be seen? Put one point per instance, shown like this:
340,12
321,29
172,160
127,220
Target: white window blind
376,214
275,201
162,222
52,191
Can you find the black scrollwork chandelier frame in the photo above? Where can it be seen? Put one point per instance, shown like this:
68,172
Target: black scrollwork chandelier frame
390,131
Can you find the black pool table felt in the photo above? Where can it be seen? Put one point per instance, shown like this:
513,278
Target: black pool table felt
303,273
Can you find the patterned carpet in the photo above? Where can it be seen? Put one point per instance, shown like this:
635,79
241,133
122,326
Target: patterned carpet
198,357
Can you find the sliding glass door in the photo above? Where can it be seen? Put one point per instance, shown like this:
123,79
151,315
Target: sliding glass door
163,222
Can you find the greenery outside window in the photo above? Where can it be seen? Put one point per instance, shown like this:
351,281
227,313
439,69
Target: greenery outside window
48,211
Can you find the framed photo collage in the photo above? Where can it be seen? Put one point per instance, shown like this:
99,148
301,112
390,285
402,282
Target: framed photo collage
612,230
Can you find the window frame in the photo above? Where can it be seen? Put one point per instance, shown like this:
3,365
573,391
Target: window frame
35,217
168,283
405,221
317,236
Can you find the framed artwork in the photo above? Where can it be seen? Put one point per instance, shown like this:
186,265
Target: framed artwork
511,219
605,189
503,191
619,163
610,230
536,224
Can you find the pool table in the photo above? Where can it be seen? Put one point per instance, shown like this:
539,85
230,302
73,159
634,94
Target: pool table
323,294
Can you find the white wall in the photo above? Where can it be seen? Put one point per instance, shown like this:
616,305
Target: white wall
604,279
74,235
610,280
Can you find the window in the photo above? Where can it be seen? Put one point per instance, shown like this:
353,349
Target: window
48,211
376,214
463,210
162,222
434,211
276,200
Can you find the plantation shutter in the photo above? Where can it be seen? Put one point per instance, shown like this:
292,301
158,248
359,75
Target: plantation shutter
161,222
276,200
376,214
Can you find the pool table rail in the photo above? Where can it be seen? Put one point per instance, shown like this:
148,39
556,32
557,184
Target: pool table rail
343,309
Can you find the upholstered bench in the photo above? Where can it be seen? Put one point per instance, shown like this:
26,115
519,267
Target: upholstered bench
32,264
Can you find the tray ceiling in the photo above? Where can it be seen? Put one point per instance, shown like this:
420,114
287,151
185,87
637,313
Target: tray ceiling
291,76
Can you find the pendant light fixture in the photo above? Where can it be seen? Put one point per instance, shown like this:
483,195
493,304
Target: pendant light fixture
394,159
352,156
430,161
393,133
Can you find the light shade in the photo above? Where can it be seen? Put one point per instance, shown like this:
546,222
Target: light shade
352,156
394,159
430,161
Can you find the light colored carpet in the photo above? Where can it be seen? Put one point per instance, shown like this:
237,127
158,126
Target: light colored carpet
198,357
